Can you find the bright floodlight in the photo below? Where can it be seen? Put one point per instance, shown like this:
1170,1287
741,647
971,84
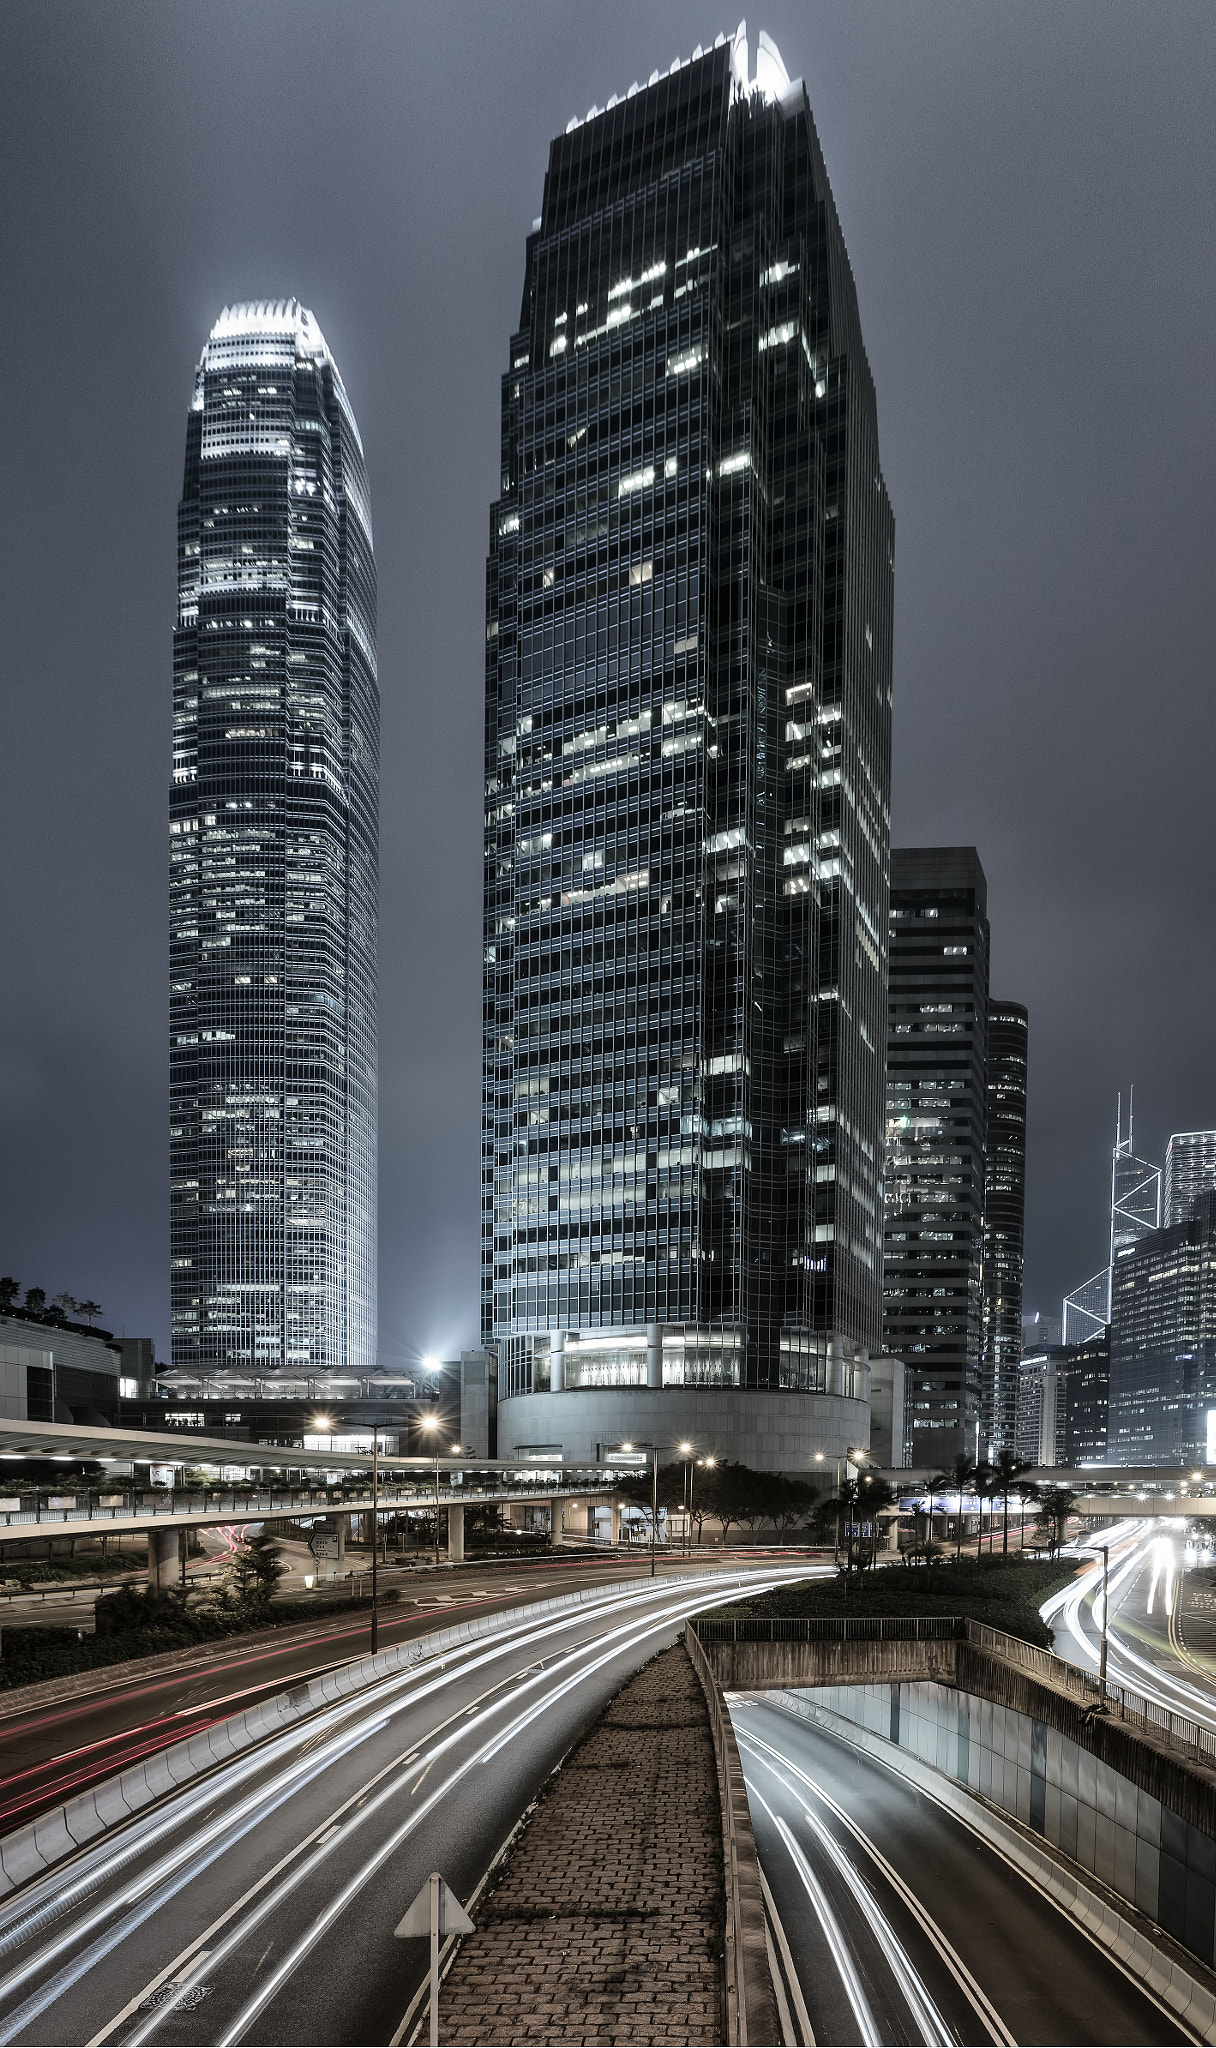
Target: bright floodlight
430,1363
626,1447
428,1422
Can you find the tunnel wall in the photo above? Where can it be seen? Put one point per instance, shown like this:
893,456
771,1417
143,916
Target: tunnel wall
1145,1852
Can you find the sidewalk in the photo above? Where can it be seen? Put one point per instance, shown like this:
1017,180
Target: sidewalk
606,1923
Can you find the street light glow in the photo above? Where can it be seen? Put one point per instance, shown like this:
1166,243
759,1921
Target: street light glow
430,1363
428,1422
684,1449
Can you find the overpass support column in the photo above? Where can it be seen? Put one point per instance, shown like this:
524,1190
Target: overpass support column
164,1560
616,1521
456,1534
557,1524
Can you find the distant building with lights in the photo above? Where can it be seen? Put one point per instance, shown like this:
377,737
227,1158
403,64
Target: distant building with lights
1163,1346
1004,1223
687,782
273,866
1190,1172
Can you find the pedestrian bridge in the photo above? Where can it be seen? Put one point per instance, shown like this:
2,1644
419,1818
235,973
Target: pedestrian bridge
210,1481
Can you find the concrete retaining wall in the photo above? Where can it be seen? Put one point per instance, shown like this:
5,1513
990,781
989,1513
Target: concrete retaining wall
1144,1850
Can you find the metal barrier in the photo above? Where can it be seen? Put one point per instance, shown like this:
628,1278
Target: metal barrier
751,2014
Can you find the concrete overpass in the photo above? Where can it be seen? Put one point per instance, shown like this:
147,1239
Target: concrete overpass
236,1482
1112,1493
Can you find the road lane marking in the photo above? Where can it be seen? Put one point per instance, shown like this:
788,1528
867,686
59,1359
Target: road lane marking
831,1932
971,1989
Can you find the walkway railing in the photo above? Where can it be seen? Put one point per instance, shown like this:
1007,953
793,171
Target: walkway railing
454,1488
1134,1709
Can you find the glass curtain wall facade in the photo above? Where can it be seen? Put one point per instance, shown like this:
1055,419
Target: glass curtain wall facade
1190,1171
688,716
1163,1347
1004,1223
273,883
937,1110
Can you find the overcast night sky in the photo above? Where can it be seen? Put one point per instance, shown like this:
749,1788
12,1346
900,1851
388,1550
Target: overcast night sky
1027,192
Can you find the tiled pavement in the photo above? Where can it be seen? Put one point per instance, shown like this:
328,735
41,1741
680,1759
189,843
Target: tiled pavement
606,1923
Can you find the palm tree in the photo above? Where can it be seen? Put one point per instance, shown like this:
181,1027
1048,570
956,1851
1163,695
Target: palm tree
1056,1504
876,1495
938,1483
959,1478
983,1482
1007,1470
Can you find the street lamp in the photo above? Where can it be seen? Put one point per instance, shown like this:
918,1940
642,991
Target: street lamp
429,1423
686,1452
375,1528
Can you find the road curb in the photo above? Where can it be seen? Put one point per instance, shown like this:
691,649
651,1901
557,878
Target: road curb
1167,1977
33,1849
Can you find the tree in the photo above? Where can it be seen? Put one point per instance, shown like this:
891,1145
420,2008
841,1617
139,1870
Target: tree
254,1570
35,1300
960,1476
859,1501
66,1304
876,1495
1007,1469
9,1290
791,1502
939,1482
90,1310
985,1487
1056,1504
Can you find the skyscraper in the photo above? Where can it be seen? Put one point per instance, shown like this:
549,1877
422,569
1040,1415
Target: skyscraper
1135,1212
1004,1223
937,1111
1163,1346
273,863
1190,1171
689,620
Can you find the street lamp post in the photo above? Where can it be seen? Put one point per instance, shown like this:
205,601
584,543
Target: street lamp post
1102,1666
654,1502
375,1529
430,1423
686,1452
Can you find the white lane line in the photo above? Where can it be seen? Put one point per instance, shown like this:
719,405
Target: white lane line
787,1963
837,1945
984,2009
1076,1924
56,1894
721,1591
620,1640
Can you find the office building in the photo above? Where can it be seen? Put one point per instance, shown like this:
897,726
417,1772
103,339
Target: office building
689,632
1085,1375
1135,1212
1039,1330
1190,1171
1004,1223
1163,1346
1039,1410
937,1110
273,864
56,1371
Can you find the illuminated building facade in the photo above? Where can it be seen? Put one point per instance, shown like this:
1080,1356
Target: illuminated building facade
1190,1171
1004,1223
1163,1346
689,634
937,1110
273,879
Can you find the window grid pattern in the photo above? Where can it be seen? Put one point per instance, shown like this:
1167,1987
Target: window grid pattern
273,864
1004,1223
673,1135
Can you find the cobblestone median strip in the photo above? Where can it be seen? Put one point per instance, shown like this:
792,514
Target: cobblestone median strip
606,1921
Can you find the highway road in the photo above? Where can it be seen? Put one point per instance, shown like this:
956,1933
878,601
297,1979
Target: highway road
259,1906
1141,1652
902,1925
48,1752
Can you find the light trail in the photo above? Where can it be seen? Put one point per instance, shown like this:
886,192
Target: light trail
131,1902
837,1945
780,1764
1124,1664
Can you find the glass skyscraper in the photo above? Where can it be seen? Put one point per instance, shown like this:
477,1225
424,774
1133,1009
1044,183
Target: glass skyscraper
937,1110
688,720
1004,1223
273,883
1190,1171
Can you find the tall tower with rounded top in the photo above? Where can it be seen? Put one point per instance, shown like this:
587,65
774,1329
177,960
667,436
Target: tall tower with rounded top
273,864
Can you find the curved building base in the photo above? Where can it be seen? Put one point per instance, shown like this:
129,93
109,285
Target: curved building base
770,1431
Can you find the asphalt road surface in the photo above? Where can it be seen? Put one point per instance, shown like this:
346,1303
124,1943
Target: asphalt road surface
902,1925
1143,1650
49,1752
259,1905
